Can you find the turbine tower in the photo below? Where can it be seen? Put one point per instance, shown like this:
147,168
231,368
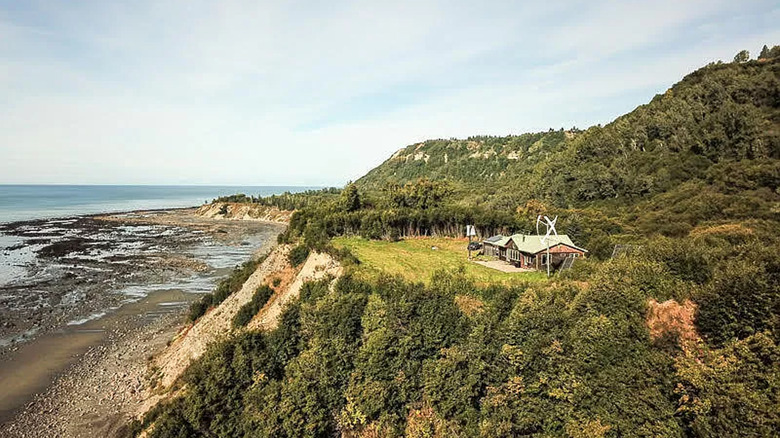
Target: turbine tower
550,224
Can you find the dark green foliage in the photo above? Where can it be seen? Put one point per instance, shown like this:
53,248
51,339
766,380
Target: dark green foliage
764,52
199,307
743,298
228,285
742,56
287,200
250,309
422,194
315,237
731,392
361,357
298,255
237,198
690,180
350,198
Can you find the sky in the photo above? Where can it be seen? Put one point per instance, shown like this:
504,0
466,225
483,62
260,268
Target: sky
318,93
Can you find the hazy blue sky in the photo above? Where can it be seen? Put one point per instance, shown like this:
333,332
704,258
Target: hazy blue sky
262,92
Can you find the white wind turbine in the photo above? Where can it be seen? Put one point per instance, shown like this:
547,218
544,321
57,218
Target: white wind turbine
550,224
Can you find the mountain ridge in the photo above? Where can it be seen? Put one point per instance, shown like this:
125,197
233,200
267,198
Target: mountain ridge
718,113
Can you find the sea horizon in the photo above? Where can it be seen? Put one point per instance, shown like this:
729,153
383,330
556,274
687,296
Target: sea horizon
21,202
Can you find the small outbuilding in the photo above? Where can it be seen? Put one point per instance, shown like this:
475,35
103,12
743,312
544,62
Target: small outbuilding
528,251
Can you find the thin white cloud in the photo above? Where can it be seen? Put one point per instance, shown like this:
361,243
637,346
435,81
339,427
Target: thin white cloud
218,92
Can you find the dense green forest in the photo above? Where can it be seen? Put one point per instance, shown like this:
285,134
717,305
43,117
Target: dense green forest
678,338
705,152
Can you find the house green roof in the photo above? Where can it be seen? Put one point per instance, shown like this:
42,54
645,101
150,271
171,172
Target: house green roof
532,244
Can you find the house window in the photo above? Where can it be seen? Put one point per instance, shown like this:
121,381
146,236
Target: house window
544,259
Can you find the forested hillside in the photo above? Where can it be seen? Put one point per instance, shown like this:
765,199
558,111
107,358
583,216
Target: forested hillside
676,338
699,129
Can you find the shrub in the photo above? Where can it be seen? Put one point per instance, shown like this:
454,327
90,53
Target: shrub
199,308
227,286
298,255
743,298
250,309
284,237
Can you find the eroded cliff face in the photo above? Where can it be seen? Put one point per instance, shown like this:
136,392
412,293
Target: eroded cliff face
244,211
193,340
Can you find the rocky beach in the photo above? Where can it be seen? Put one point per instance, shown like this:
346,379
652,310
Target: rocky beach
86,300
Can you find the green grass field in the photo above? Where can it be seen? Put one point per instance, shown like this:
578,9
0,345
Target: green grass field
415,260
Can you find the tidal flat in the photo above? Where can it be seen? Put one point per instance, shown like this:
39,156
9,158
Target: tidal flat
71,286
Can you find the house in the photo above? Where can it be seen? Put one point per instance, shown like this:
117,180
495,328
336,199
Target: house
528,251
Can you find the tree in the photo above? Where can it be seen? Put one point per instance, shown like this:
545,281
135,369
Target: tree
351,197
742,56
764,53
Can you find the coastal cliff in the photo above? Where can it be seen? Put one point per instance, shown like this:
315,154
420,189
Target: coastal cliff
192,341
244,211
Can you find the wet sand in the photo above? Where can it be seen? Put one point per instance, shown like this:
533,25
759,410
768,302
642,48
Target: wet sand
36,364
96,394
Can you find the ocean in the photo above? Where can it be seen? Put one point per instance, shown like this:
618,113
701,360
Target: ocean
25,202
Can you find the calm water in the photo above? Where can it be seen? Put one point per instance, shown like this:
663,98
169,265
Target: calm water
22,202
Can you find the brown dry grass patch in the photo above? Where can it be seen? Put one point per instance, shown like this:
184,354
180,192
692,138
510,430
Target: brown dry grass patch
469,305
731,230
671,319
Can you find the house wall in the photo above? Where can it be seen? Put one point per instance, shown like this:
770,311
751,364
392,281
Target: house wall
560,249
557,254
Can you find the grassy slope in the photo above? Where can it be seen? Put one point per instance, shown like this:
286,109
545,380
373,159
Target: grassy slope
416,261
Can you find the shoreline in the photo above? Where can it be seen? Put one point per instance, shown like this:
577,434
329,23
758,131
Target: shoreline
93,215
64,397
175,260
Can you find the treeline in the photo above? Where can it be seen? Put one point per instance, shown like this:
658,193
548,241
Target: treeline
391,358
413,209
285,201
598,227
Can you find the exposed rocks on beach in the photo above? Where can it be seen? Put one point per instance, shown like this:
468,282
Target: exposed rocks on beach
61,270
114,383
71,275
96,396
